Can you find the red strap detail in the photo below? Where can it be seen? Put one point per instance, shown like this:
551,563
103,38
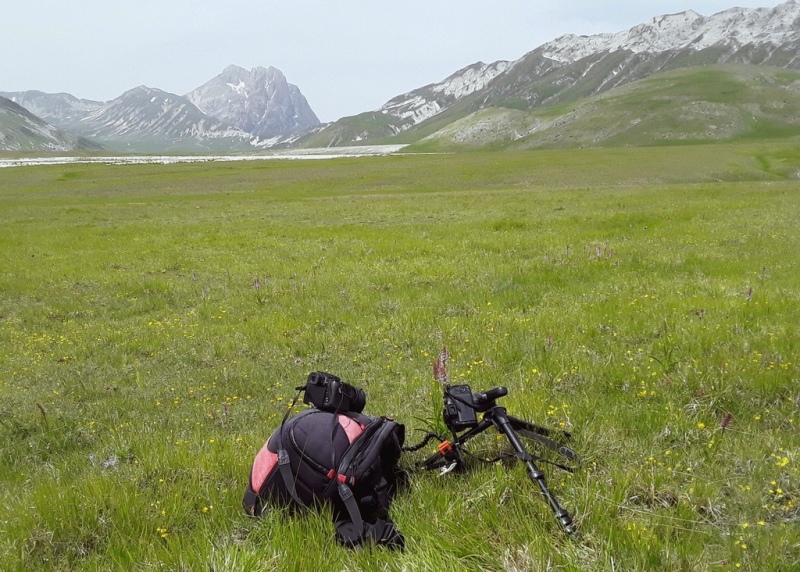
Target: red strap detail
341,478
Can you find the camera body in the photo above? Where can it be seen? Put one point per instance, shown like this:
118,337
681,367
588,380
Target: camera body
459,408
327,392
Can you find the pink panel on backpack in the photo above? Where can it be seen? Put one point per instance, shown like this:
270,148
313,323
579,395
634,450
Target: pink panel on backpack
262,466
351,427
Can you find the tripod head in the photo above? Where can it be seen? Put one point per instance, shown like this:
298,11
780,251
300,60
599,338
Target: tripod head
485,400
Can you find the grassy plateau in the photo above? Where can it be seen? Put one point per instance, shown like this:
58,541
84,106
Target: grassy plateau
155,320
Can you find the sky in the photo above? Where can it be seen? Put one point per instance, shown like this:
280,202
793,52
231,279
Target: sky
346,57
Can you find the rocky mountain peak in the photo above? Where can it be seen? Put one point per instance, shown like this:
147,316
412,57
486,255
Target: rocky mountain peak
259,101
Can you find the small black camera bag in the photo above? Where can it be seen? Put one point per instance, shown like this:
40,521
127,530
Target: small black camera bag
347,459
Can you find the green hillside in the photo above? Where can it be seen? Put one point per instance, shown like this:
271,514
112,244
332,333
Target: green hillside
689,105
370,124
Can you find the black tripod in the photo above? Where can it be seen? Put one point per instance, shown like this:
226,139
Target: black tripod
460,413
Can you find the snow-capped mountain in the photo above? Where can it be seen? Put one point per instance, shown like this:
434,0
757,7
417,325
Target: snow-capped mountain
144,117
734,28
259,101
23,131
574,67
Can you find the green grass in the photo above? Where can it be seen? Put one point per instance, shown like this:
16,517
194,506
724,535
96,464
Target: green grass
637,297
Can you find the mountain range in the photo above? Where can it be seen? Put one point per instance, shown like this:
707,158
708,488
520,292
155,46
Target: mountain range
685,61
572,68
235,111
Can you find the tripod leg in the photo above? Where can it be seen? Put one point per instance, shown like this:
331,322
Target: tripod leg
500,420
452,453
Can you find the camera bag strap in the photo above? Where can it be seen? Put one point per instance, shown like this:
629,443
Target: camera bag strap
562,450
284,466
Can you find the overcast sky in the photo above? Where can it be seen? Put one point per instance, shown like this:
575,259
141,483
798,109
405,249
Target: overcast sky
346,57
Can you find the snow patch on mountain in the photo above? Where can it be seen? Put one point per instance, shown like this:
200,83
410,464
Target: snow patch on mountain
421,104
240,88
470,79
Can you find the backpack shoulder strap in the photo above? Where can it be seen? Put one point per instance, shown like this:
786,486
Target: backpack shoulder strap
345,492
349,500
365,450
285,470
284,466
369,443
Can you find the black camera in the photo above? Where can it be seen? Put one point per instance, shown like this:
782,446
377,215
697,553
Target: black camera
327,392
461,406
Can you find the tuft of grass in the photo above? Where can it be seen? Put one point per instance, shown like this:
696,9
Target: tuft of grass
154,321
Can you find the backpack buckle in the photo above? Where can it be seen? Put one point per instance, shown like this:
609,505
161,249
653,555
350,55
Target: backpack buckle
345,492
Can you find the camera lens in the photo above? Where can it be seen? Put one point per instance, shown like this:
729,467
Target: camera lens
359,400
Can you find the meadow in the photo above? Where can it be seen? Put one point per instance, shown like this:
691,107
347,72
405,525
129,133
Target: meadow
155,320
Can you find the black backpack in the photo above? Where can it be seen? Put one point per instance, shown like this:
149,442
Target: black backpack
348,459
